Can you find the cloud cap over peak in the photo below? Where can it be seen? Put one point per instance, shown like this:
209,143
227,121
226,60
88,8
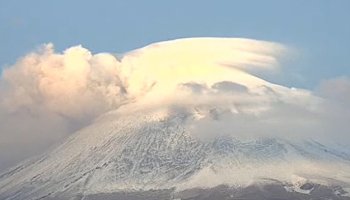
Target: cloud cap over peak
47,95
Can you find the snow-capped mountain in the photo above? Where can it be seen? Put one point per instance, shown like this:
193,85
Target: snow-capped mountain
156,151
175,115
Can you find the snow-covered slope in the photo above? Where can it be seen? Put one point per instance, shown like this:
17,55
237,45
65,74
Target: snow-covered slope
189,114
155,151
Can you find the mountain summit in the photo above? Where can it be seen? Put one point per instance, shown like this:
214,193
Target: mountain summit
183,115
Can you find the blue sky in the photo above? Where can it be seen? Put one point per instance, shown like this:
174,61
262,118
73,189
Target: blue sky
317,30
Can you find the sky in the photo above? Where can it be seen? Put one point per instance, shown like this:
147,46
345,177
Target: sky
44,74
317,30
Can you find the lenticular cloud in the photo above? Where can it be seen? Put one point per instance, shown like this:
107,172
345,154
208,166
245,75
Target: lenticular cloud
46,94
78,84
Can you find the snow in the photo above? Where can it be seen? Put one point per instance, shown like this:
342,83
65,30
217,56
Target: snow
155,151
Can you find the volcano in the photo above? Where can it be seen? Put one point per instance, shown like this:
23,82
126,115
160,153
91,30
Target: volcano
155,151
192,137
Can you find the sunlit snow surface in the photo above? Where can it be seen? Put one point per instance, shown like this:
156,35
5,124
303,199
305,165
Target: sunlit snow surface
155,151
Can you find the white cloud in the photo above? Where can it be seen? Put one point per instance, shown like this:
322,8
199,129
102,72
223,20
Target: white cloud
46,95
74,84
